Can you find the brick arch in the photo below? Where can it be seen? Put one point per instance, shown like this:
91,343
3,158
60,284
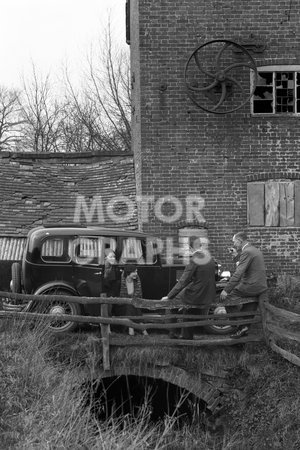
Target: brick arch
273,175
204,390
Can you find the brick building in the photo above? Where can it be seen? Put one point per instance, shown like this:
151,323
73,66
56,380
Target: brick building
244,164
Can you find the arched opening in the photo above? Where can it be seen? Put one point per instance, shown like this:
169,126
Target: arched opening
133,395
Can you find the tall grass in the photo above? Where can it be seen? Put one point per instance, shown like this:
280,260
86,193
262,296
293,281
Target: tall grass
43,404
286,292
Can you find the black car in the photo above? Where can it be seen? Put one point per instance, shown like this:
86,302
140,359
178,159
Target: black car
69,260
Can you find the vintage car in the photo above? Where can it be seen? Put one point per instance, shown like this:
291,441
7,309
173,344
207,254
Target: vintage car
69,260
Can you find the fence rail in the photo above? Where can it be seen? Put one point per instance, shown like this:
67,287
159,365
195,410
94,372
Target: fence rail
277,324
196,320
137,302
282,329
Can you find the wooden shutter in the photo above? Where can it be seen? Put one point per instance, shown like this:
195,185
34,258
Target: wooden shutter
255,204
286,204
272,204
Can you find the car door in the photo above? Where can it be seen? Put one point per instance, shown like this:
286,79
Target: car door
88,267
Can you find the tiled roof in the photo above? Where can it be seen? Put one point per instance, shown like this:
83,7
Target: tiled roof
37,188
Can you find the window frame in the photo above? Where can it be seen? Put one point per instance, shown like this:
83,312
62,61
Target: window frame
82,243
63,258
295,68
145,247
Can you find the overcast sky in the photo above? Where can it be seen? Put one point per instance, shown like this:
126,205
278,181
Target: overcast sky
50,33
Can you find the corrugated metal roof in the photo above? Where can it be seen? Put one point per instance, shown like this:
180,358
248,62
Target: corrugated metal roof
11,248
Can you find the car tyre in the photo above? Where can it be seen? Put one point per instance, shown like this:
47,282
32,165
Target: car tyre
221,329
59,307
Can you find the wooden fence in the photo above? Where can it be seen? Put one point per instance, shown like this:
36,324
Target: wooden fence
272,320
282,332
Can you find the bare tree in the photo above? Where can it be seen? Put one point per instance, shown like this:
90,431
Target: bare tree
43,115
10,122
104,106
76,136
95,117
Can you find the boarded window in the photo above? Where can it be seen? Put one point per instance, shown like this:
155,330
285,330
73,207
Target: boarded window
274,203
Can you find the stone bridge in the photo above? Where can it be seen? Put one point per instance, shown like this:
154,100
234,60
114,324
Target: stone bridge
202,367
204,372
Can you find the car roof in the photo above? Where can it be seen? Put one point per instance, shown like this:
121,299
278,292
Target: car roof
82,230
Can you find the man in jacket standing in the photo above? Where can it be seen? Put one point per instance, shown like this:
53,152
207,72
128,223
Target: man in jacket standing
197,285
248,280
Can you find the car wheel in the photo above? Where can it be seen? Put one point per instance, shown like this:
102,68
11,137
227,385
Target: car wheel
58,308
218,329
15,284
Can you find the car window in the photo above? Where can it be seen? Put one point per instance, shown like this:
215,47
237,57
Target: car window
110,243
132,251
54,250
92,249
87,250
151,251
137,251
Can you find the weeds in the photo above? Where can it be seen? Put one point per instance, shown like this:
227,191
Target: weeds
286,293
43,402
268,416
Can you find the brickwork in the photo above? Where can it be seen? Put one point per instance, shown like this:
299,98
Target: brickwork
186,151
209,390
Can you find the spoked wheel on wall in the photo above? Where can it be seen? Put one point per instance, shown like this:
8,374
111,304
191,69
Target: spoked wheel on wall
217,76
57,308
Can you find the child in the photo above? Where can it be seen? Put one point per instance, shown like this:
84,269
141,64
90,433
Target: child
131,287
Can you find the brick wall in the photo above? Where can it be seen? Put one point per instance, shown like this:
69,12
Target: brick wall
185,151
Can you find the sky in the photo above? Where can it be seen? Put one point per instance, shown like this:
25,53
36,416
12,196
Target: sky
53,33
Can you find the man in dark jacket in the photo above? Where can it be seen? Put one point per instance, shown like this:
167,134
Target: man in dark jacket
197,285
249,279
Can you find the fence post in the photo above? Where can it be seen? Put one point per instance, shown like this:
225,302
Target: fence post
105,337
262,300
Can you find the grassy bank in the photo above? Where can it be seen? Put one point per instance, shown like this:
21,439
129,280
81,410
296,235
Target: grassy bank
43,404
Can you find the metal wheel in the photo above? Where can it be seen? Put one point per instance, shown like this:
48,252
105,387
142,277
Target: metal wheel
58,308
217,76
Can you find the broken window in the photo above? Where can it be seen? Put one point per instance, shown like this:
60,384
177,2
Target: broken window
277,90
274,203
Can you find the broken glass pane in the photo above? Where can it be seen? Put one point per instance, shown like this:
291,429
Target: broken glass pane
265,78
275,93
263,106
263,93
